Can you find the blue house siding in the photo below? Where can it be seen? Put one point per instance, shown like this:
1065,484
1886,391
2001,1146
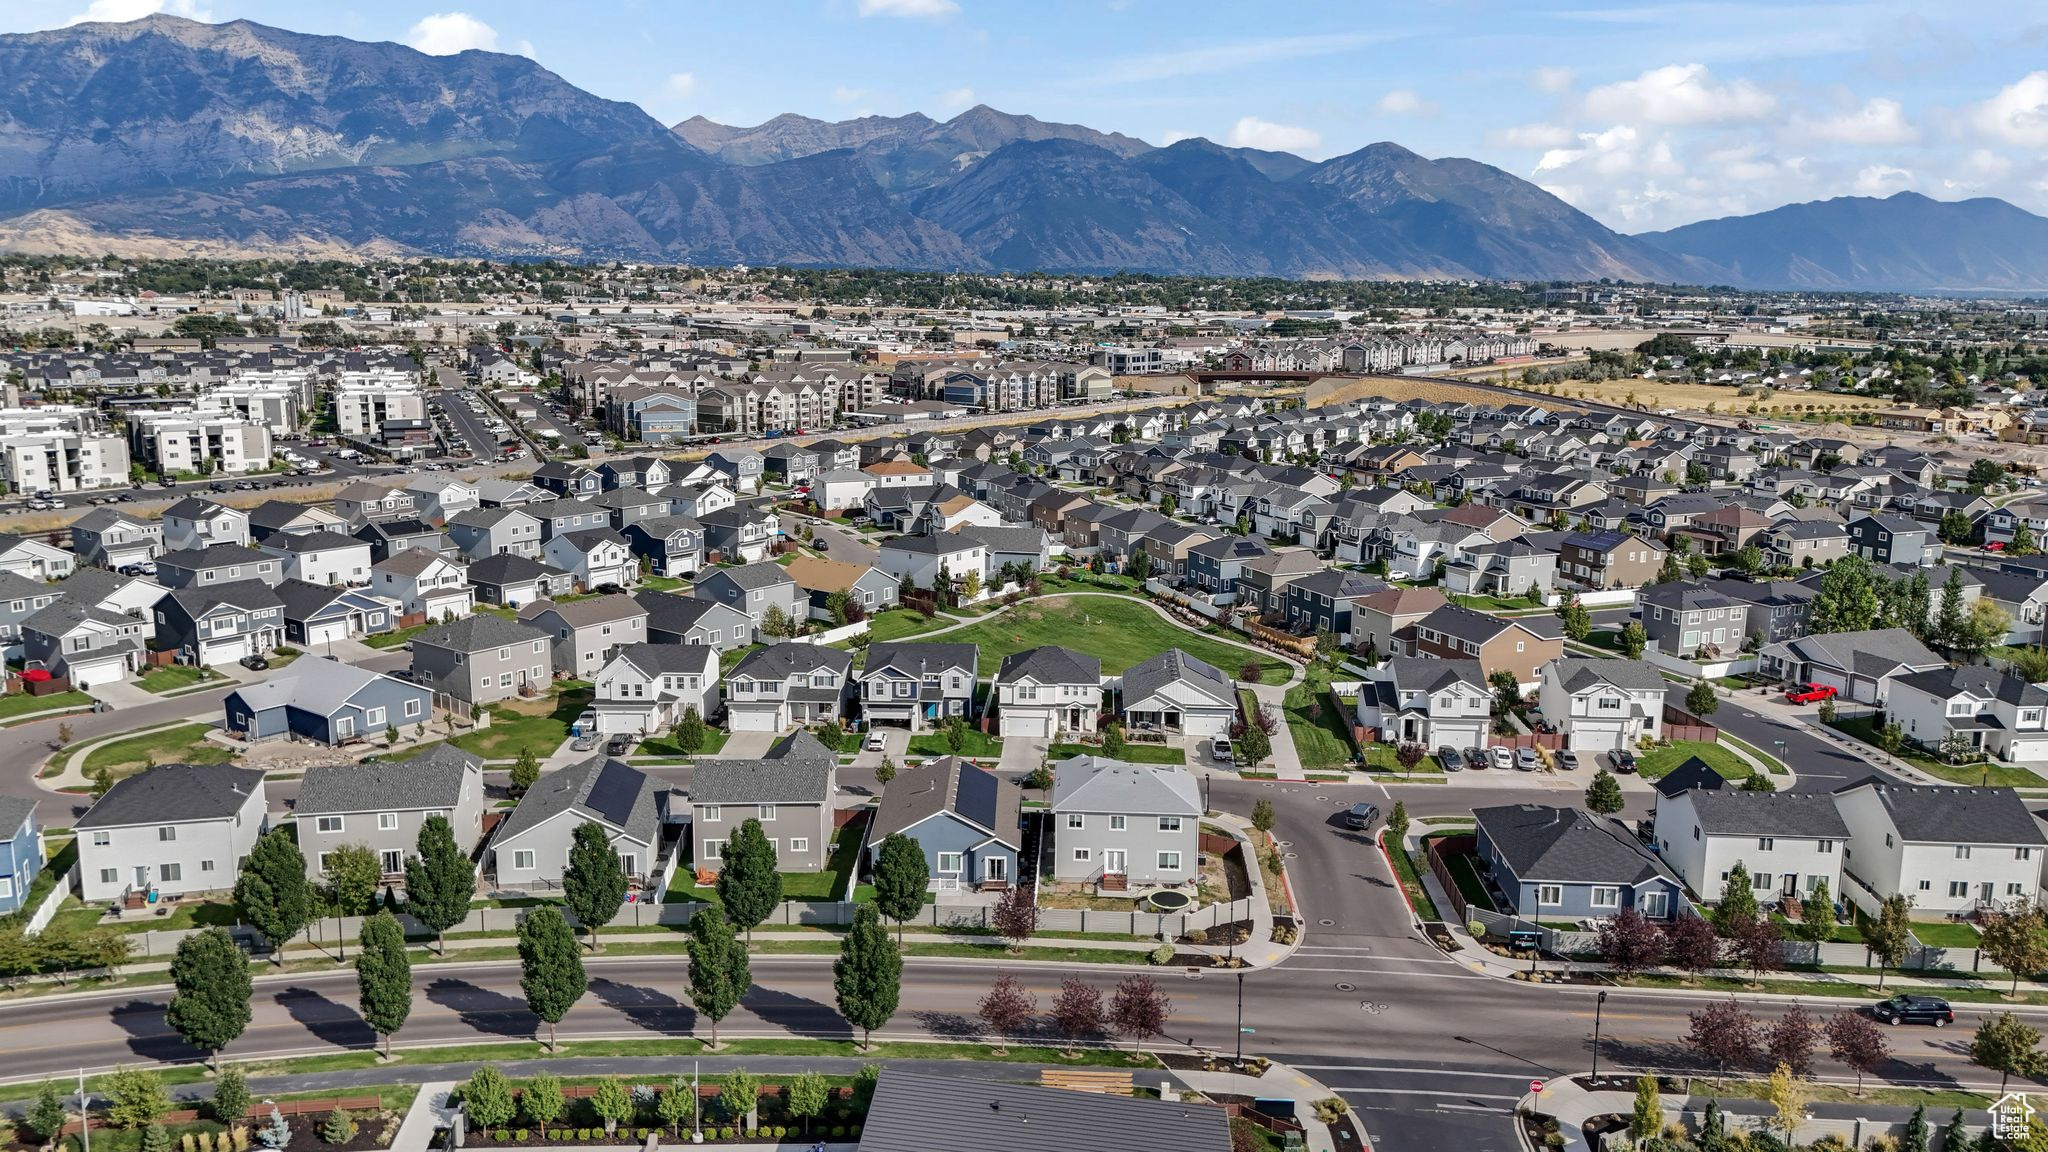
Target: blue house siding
947,833
1575,896
310,724
20,859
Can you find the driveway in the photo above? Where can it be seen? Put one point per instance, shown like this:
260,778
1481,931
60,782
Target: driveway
748,745
1023,755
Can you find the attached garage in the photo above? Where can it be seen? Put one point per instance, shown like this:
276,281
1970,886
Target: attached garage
755,718
326,632
1591,735
1026,725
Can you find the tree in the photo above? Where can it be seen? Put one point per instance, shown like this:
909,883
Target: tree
1603,795
550,966
1915,1138
1847,598
1738,902
2006,1045
384,977
901,877
272,892
543,1101
1750,559
1787,1095
1789,1040
1857,1041
1956,1135
525,771
1408,756
885,771
720,974
1697,566
1138,1009
1633,640
1951,620
231,1097
487,1100
748,884
868,976
739,1094
970,587
156,1138
1986,626
806,1095
48,1115
1262,815
2023,542
135,1098
775,622
838,604
1077,1011
1759,946
1955,527
1984,473
275,1133
338,1128
349,882
690,732
1892,933
1701,701
1253,743
1016,915
1397,821
1578,623
211,1006
1723,1034
677,1103
1817,915
438,881
1630,943
594,883
1112,740
612,1103
2016,939
1006,1008
1507,692
1648,1118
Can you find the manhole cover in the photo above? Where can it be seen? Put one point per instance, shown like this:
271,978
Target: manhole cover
1347,988
1326,923
1285,843
1293,856
1193,973
1265,785
1322,797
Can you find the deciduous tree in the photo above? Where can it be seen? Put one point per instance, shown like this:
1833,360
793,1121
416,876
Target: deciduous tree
384,977
868,976
551,966
1006,1008
1701,701
1630,943
901,877
739,1093
805,1097
272,892
720,973
231,1098
1138,1010
1738,902
2016,939
487,1100
525,771
1857,1041
594,883
2008,1046
1724,1035
136,1097
612,1103
690,731
543,1100
1603,795
438,881
748,883
1759,947
1691,945
211,1006
1648,1117
1789,1040
1077,1011
1788,1095
1891,934
1016,916
1633,640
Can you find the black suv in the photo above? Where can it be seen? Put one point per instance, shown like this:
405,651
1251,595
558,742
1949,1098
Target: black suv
1359,817
618,746
1905,1009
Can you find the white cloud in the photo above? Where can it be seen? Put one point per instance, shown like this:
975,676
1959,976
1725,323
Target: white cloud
2018,114
909,9
1552,79
1404,102
958,99
446,33
1678,94
1533,136
1985,162
1230,57
679,85
1881,180
122,11
1880,121
1252,132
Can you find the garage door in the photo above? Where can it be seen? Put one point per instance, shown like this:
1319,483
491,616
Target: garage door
1596,737
1030,726
753,720
1217,724
327,633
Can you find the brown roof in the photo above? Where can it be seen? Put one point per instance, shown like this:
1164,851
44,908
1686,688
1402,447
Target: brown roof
1476,515
583,613
1404,601
956,504
896,468
816,572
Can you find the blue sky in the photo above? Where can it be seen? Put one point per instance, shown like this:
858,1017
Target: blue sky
1645,115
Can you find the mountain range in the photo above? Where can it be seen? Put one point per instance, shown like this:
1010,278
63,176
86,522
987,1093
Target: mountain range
166,135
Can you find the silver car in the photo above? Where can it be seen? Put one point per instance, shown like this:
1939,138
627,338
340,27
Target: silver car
583,743
1525,759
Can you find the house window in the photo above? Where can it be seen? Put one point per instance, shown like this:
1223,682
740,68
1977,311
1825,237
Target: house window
166,834
799,844
1825,845
764,813
950,863
1116,823
522,860
1549,894
1766,843
1761,882
412,708
386,821
1076,820
2023,853
170,873
1081,855
1169,823
102,839
110,876
1957,889
1962,851
1927,885
1169,861
1606,897
206,865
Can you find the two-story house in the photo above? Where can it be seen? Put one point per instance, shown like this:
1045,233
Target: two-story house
216,564
674,619
1217,565
1116,825
1429,701
21,852
196,522
1178,696
1804,543
1327,601
1973,709
1505,569
35,559
220,623
383,805
1950,850
596,558
754,589
320,557
587,632
1892,538
784,684
1518,644
1569,864
1609,559
918,685
424,584
1045,691
926,561
87,644
482,532
736,533
671,545
968,821
531,848
789,791
646,688
482,659
1790,842
174,830
1683,618
274,516
869,589
1602,705
112,538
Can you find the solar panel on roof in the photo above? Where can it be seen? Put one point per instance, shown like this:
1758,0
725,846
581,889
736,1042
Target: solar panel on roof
976,797
614,791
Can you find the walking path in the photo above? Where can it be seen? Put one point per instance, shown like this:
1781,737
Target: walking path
1571,1103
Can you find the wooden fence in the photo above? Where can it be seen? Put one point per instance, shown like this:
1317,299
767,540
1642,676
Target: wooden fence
1433,850
1682,725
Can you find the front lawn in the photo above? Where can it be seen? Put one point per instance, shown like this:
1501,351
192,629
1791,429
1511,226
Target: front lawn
1942,934
541,725
1120,633
396,638
1133,753
171,677
1989,774
1660,762
714,742
662,583
1322,734
727,661
185,744
935,744
21,703
901,623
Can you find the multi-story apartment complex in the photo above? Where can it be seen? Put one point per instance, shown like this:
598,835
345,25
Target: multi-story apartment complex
197,440
365,401
59,449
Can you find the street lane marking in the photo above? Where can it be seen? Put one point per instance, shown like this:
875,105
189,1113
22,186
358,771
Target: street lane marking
1410,1068
1414,1092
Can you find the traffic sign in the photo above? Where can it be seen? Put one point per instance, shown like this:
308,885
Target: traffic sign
1248,1031
1536,1086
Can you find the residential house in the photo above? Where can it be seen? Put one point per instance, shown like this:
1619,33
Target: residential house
1428,701
1804,543
216,564
1118,825
1609,559
320,700
1507,569
1327,601
968,821
1179,696
672,545
1603,705
674,619
1862,666
1264,579
742,534
513,581
319,557
113,538
1972,709
1890,538
1383,623
21,852
382,806
274,516
21,598
587,632
1217,566
34,559
366,500
647,688
482,659
596,557
481,532
1519,645
316,614
918,685
754,589
789,792
221,623
173,830
871,589
927,560
1017,545
568,479
423,584
531,848
1569,864
439,497
83,643
1683,618
784,684
1949,850
1046,691
196,522
388,538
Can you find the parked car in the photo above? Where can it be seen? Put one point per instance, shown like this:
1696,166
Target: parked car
1525,759
1451,760
1359,817
1809,693
618,746
1994,546
1624,761
1503,756
583,743
874,743
1568,760
255,662
1220,748
1910,1009
1475,757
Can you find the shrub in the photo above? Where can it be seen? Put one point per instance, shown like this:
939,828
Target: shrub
1163,954
583,1133
838,1132
241,1138
503,1135
520,1135
286,650
853,1130
185,1142
1197,936
640,1133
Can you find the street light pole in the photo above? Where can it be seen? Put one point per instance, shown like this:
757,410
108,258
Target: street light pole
84,1116
1239,1062
1597,1005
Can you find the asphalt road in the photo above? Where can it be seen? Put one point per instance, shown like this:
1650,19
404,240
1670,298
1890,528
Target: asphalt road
479,439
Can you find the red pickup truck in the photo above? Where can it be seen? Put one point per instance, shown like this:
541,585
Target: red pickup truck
1808,693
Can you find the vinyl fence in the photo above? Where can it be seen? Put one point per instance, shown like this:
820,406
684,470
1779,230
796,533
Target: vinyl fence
1919,957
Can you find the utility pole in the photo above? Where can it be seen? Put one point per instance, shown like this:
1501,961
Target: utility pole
696,1102
84,1117
1239,1062
1598,1004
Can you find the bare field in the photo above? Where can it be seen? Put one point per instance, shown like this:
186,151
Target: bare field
1655,394
1430,388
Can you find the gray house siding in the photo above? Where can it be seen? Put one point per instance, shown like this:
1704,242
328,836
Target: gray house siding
401,838
481,677
549,842
946,833
1140,840
811,823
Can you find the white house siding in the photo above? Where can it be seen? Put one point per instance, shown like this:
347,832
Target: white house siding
1198,714
1927,872
756,716
1703,861
222,843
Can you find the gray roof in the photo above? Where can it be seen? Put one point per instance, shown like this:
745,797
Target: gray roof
611,791
669,612
606,609
1050,664
433,779
14,810
1694,773
1871,654
925,1112
991,803
174,793
244,594
781,661
655,658
1430,673
915,659
1149,676
214,556
480,631
1977,680
1095,784
1004,538
765,574
1949,815
504,568
1567,845
1628,675
797,779
314,683
1733,812
319,540
195,508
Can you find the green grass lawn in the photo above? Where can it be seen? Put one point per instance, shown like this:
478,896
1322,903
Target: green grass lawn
511,730
901,623
714,742
185,744
21,703
1116,632
396,638
662,583
1989,774
1659,762
1851,933
1494,603
1465,871
171,677
1133,753
727,661
1946,935
185,914
1380,761
826,885
1323,739
1409,869
934,744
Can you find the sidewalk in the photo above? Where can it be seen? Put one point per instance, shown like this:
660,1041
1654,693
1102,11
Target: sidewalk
1281,1081
1286,759
1572,1104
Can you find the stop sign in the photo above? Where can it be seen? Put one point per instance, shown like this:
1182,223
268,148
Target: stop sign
1535,1085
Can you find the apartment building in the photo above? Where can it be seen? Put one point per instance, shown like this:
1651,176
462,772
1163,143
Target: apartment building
196,441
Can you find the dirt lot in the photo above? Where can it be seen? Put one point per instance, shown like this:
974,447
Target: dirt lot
1657,394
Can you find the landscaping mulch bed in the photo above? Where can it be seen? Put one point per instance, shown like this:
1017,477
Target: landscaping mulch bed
1345,1133
1542,1130
1196,1062
1223,935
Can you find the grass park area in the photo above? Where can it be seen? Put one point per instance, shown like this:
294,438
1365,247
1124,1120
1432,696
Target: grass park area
540,724
1660,762
22,704
900,624
1133,753
1119,633
1989,774
185,744
1322,733
171,677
